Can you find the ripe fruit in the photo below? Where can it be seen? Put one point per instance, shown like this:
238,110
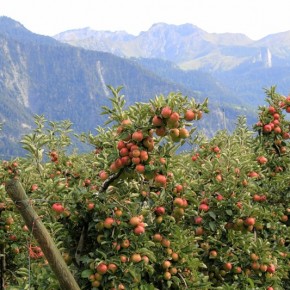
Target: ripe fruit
253,174
271,268
144,155
157,121
57,207
256,197
34,187
237,270
136,160
173,271
103,175
161,131
124,152
227,266
160,179
195,157
113,167
254,257
166,112
213,254
174,257
157,237
135,221
136,258
108,222
166,264
126,123
189,115
263,267
250,221
123,259
165,243
167,275
198,220
148,142
216,149
112,267
255,266
102,268
25,228
277,130
203,207
96,283
118,212
271,110
262,159
178,188
174,133
90,205
137,136
135,152
174,117
219,178
178,201
219,197
284,218
125,244
199,231
121,144
267,128
199,115
183,133
139,230
160,210
140,168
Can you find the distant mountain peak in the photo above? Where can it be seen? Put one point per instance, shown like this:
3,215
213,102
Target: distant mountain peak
15,30
9,25
182,29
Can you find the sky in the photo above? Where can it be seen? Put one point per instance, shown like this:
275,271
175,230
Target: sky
254,18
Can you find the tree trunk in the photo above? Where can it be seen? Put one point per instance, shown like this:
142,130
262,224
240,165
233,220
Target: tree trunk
40,233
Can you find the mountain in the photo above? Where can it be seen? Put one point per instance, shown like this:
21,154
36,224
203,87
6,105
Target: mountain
180,44
186,45
40,75
241,66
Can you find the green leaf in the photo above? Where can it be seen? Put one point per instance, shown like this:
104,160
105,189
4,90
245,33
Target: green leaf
250,281
148,253
176,280
87,273
212,215
212,226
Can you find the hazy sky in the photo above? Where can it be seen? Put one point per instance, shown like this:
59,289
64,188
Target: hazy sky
255,18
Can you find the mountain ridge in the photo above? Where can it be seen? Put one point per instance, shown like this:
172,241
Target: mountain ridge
59,81
187,45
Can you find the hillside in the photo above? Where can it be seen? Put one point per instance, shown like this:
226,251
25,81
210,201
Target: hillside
42,76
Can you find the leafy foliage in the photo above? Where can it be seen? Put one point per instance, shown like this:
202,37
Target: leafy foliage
135,214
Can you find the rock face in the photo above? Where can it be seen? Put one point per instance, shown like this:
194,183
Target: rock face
264,57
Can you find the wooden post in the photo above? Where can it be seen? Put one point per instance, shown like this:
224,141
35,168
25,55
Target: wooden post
2,266
17,193
2,260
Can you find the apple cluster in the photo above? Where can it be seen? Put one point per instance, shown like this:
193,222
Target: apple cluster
170,122
133,148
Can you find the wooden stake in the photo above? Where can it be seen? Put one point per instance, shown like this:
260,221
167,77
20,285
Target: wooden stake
40,233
